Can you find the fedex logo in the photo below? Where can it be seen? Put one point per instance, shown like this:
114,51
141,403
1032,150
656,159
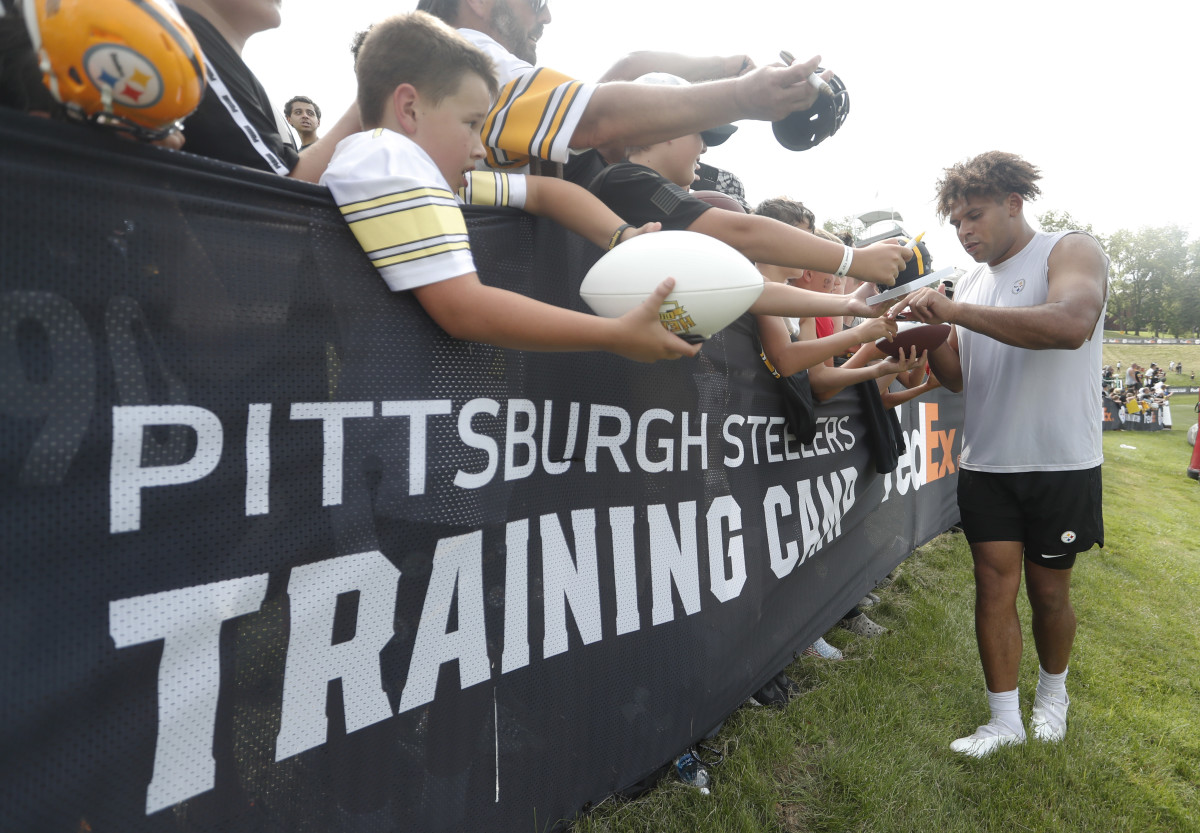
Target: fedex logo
930,456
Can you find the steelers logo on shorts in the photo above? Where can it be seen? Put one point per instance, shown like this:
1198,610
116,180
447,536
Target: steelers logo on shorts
1068,537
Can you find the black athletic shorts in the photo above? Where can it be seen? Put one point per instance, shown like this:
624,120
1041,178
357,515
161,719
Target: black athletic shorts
1055,514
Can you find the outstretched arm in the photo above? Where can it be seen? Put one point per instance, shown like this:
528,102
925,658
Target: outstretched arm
694,69
790,357
766,240
577,209
827,381
473,311
643,114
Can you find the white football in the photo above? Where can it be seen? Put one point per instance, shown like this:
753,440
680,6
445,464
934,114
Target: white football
714,283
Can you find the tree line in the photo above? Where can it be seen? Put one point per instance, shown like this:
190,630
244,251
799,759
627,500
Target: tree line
1154,277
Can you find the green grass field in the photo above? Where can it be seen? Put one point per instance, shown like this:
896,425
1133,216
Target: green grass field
865,747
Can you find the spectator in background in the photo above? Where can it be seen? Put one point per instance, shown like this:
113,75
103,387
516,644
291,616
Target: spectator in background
303,114
1131,375
247,130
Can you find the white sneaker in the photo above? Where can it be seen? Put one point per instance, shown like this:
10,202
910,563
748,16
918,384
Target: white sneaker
822,649
986,740
1049,719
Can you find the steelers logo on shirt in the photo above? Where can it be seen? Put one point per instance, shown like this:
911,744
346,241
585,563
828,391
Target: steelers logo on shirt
1018,286
1068,537
131,79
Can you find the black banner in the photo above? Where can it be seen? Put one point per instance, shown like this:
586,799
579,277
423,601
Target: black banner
280,555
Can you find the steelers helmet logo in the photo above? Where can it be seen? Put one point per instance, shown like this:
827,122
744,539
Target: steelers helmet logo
1068,537
1018,286
131,79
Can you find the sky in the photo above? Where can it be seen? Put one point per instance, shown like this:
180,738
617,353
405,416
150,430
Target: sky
1099,96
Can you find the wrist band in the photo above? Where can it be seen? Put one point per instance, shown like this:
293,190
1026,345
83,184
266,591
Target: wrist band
847,259
616,238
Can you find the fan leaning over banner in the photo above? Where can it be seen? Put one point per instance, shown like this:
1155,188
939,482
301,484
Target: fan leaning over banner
235,121
543,113
423,90
651,186
1029,491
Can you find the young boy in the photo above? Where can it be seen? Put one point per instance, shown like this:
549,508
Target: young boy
423,92
652,186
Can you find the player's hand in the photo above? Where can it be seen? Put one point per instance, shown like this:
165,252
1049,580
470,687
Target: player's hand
641,335
632,232
880,262
773,92
927,306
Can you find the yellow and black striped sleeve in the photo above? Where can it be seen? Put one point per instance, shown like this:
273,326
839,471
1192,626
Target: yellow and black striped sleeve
493,188
534,116
413,236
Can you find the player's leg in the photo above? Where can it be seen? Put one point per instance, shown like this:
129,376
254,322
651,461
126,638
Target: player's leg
1053,616
991,519
1049,589
1067,518
997,628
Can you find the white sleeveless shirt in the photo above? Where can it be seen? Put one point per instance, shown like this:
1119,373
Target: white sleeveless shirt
1027,410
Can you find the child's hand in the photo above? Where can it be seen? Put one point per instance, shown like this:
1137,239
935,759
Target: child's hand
641,335
880,262
905,362
632,232
875,329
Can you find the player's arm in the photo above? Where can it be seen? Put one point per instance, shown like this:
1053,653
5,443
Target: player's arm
468,309
945,364
1077,281
767,240
577,209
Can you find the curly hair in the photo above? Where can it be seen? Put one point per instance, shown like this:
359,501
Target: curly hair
991,174
792,212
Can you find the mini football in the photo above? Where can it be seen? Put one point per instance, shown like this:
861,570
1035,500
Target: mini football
714,283
923,337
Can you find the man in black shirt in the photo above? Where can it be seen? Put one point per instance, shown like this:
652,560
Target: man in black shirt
236,121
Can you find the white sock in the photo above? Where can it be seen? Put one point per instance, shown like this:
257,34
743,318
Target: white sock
1006,710
1052,684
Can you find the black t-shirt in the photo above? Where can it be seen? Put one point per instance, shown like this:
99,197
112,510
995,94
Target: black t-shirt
641,195
211,130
